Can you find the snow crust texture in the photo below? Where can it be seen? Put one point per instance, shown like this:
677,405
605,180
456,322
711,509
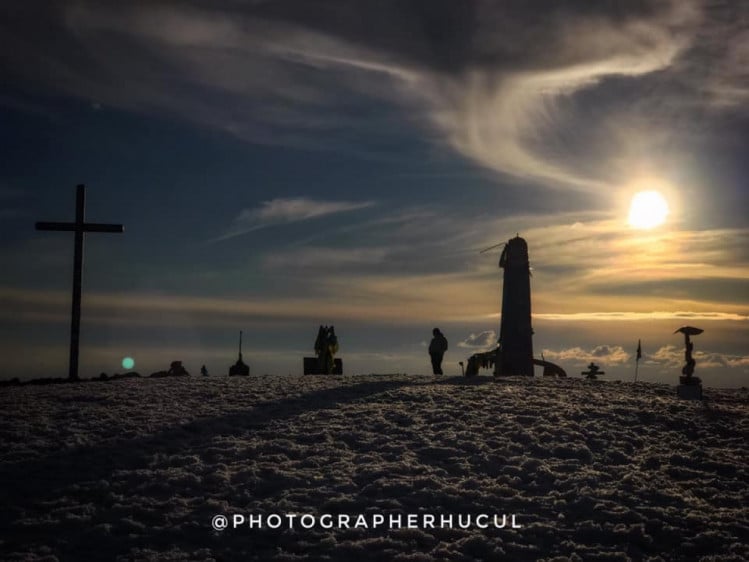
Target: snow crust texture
136,469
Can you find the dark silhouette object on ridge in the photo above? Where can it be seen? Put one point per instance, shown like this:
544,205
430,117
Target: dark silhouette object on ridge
326,346
690,386
593,372
437,349
515,332
240,368
550,369
204,371
80,227
514,354
118,376
688,370
176,369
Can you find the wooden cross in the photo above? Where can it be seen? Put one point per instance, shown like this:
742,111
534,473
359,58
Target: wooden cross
80,227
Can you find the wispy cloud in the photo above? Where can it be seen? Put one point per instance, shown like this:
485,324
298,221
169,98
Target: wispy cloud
277,74
286,211
716,63
316,259
504,119
590,270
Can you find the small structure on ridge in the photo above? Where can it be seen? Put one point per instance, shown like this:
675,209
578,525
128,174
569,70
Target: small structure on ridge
690,387
593,372
326,346
240,368
176,369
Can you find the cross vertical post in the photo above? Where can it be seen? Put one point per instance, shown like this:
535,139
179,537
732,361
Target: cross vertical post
75,314
79,227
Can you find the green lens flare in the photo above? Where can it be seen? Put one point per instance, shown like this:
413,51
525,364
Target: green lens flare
128,363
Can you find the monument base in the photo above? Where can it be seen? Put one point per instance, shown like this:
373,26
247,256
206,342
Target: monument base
239,369
689,391
311,366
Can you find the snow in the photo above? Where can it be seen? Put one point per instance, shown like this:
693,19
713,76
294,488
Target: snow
137,468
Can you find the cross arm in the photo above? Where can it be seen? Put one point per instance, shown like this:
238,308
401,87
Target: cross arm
63,226
86,227
97,227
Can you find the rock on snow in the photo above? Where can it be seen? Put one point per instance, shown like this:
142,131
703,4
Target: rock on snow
137,469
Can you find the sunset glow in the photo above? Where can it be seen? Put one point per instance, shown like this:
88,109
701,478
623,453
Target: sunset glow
647,210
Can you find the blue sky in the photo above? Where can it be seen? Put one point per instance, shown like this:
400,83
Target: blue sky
280,165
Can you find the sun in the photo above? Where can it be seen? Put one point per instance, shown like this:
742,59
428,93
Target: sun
647,210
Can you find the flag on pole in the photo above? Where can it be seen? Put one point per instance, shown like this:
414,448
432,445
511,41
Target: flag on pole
639,350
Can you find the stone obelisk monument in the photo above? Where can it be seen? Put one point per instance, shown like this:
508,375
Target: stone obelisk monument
515,354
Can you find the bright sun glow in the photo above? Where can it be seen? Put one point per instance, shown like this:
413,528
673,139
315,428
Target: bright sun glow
648,210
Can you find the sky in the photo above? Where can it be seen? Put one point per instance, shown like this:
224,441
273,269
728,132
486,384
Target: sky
279,165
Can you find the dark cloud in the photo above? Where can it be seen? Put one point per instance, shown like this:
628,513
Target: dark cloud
453,37
496,81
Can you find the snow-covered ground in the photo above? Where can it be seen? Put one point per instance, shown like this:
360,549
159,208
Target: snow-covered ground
138,468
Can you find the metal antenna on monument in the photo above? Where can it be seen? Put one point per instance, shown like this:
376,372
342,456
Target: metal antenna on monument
492,247
240,345
517,235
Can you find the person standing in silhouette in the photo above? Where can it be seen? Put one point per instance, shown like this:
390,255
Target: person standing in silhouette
437,349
